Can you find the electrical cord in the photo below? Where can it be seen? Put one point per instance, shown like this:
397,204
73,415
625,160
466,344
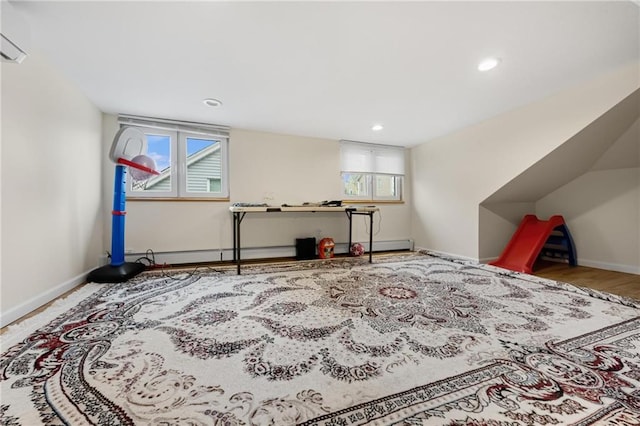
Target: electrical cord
151,261
151,265
366,228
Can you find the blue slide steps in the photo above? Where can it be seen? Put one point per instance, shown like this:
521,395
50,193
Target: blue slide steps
560,245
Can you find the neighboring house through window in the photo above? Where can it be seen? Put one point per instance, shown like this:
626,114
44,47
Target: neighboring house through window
191,159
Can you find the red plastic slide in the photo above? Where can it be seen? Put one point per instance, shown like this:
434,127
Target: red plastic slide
526,243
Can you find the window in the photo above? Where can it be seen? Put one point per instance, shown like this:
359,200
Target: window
214,185
190,157
371,172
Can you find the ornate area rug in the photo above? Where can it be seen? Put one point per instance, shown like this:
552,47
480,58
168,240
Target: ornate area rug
409,340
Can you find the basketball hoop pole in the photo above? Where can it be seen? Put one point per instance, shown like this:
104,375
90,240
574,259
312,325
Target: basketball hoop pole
118,270
118,213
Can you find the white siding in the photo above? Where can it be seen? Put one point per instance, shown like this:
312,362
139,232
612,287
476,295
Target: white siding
199,172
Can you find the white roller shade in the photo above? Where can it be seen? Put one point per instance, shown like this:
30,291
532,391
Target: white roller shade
359,157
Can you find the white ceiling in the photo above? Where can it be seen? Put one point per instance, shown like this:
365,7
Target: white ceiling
331,69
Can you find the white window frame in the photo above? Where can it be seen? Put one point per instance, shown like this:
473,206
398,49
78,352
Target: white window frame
173,149
179,132
182,166
398,187
364,159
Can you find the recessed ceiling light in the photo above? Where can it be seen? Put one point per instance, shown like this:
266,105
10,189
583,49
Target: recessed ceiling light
212,102
377,127
488,64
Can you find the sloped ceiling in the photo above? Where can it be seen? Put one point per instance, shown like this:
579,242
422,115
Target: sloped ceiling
625,153
611,141
330,69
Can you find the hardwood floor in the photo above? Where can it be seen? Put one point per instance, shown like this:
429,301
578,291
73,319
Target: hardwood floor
612,282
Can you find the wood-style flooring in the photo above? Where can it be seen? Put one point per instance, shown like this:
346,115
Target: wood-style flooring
618,283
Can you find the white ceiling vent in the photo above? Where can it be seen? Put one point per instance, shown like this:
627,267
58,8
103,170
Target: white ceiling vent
14,34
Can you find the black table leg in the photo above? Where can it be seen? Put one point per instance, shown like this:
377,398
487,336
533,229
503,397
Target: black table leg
237,220
235,241
238,254
349,215
370,237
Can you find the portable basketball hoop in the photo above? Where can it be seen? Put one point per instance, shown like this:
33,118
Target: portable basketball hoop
128,151
141,169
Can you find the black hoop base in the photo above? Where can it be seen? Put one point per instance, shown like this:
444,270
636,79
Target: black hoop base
115,274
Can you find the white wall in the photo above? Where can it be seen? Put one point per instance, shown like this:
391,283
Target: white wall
601,211
264,167
498,223
453,174
602,207
51,204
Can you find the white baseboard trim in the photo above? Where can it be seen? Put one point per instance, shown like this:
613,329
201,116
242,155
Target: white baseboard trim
17,312
444,253
629,269
226,254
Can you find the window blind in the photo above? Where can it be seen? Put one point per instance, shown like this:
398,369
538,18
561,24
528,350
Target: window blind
175,125
360,157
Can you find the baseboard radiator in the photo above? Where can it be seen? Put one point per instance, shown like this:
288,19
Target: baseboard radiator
226,254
